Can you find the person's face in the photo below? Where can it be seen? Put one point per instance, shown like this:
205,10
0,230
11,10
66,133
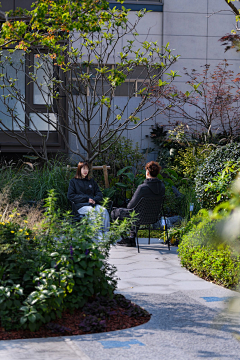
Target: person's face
84,171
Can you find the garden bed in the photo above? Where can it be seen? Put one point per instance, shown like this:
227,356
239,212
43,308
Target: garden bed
122,314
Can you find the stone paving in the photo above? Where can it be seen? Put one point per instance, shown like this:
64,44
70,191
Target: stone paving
188,317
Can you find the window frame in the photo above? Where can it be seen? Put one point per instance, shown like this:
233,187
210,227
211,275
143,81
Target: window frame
55,141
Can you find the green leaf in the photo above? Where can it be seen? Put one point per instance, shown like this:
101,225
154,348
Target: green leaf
130,176
169,181
26,277
80,273
121,185
54,254
23,320
32,318
89,271
19,291
120,172
24,308
32,326
83,264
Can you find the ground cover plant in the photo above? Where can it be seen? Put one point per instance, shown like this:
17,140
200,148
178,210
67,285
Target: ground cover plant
52,267
99,314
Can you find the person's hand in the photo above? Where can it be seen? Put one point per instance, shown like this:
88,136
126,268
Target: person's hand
91,201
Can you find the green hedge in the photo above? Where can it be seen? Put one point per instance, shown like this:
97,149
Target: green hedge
213,165
210,260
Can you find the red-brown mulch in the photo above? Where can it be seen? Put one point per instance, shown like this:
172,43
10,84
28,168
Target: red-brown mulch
118,321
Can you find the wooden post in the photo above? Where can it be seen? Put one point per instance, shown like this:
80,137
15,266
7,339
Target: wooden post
105,173
105,169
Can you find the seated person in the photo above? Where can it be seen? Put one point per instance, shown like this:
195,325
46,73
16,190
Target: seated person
152,187
87,196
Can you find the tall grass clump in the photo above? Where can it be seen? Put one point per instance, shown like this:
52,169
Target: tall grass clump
31,182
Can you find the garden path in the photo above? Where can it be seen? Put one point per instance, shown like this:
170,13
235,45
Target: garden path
188,318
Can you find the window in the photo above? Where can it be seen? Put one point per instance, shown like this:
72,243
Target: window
26,103
9,105
39,94
136,80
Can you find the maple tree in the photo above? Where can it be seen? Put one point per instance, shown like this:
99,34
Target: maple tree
232,40
211,104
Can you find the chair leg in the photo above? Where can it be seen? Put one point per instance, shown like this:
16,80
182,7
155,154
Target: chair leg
166,229
136,231
149,234
138,245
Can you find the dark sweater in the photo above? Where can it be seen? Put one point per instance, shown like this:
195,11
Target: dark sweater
152,187
80,190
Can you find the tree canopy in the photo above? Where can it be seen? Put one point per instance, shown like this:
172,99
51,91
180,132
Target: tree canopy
85,53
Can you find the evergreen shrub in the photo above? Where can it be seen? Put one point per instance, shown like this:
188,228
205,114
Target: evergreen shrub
213,165
206,258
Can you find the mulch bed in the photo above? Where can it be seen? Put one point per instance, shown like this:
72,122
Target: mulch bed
117,321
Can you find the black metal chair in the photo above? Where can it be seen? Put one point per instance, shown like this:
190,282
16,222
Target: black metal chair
149,210
76,217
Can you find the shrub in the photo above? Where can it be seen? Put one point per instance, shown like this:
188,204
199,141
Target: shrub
57,267
123,186
187,160
210,260
212,166
121,154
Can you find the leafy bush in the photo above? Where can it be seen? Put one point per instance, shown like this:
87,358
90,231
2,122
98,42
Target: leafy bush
123,186
127,163
121,154
177,205
210,169
176,233
187,160
210,260
57,267
220,183
168,143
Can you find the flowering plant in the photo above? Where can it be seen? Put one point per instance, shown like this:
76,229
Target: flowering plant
53,267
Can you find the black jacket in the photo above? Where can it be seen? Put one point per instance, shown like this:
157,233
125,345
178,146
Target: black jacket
152,187
80,190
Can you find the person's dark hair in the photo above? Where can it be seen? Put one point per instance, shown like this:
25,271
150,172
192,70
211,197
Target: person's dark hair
80,166
153,167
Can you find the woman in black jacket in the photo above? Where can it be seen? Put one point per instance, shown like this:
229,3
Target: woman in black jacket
86,195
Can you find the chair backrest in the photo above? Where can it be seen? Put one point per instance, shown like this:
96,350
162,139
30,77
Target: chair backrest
148,210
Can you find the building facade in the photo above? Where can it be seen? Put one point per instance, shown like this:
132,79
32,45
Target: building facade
191,27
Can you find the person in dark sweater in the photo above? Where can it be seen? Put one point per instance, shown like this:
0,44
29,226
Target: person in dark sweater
152,187
87,196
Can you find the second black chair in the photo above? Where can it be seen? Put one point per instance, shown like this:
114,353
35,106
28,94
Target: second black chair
149,210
